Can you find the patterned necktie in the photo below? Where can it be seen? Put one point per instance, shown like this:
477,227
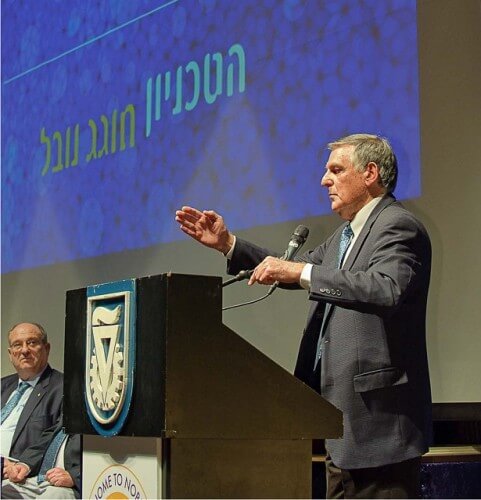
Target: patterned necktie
346,237
13,401
51,455
345,241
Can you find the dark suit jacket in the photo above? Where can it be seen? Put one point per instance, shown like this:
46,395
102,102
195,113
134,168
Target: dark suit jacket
33,455
374,362
41,411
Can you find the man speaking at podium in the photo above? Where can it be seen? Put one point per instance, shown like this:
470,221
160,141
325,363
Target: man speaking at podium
364,345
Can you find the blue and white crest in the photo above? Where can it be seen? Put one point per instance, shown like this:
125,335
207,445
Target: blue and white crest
110,354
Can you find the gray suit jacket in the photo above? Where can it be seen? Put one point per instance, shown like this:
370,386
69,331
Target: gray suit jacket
41,411
374,362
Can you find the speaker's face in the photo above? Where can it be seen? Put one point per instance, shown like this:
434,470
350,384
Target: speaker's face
348,187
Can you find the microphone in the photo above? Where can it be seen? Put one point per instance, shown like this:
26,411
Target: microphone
298,238
243,275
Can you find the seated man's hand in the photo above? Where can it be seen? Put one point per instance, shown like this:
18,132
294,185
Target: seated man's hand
16,472
59,477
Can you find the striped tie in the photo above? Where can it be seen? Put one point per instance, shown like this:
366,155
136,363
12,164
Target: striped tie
13,401
51,455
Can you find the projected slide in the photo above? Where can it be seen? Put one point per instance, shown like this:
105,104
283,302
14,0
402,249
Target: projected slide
116,113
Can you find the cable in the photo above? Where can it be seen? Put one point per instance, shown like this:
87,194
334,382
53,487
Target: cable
247,303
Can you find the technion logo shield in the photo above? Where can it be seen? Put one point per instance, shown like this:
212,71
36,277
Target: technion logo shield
110,354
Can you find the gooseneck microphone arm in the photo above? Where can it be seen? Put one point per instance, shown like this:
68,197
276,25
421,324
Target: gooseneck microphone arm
243,275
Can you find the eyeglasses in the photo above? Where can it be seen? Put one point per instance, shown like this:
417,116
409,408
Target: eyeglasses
31,344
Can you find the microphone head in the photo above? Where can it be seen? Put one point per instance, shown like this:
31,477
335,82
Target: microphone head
301,233
298,239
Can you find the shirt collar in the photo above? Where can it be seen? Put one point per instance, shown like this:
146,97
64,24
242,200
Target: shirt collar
361,217
33,382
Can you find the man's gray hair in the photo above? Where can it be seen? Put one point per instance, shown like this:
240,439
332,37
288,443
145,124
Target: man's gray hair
372,148
43,333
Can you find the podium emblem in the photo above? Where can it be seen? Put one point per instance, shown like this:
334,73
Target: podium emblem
110,354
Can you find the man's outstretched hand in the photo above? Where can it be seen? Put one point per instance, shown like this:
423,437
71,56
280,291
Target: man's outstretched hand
207,227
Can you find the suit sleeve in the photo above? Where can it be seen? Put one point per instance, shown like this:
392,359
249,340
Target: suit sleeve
73,461
247,256
399,262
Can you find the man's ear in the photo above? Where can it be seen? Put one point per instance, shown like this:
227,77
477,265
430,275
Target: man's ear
371,174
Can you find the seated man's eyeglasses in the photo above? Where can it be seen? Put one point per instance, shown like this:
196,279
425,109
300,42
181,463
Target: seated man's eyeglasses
30,343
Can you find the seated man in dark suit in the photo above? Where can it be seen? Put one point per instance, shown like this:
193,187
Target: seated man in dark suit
31,399
49,469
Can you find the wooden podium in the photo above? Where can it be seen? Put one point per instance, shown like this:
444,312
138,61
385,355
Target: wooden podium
227,420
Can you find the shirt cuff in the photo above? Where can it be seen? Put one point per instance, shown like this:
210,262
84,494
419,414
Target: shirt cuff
231,251
305,280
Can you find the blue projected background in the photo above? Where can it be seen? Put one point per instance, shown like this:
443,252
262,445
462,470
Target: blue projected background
116,113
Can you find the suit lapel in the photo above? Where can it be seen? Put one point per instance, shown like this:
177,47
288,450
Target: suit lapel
321,309
8,389
37,395
351,258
